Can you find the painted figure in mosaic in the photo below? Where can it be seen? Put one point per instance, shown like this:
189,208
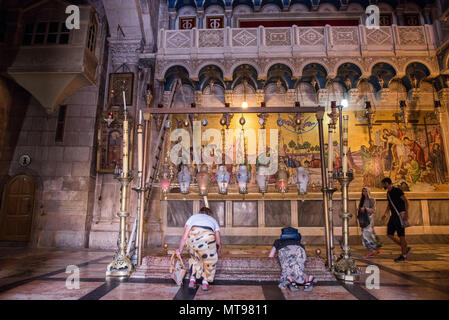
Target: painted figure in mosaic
437,160
292,257
414,169
366,209
416,149
114,148
202,235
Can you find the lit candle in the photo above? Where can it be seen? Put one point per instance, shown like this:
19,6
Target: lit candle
140,145
125,140
345,145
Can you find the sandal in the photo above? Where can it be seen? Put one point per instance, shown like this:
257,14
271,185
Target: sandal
308,286
292,285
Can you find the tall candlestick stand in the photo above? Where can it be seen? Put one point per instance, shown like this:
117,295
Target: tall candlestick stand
142,190
345,268
330,192
121,266
329,254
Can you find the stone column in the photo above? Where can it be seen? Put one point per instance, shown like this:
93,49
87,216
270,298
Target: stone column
172,20
200,15
228,14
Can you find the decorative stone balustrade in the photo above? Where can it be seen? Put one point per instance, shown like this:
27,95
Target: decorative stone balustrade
229,47
298,41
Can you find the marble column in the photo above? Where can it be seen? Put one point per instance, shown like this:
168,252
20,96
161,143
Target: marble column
172,21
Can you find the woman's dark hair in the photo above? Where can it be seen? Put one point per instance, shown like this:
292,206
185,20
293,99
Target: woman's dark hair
207,211
362,199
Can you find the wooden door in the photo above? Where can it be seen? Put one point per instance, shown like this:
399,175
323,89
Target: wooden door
17,209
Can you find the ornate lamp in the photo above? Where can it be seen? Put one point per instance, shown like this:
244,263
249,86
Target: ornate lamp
223,178
282,181
302,177
262,178
242,177
203,179
403,114
165,179
184,179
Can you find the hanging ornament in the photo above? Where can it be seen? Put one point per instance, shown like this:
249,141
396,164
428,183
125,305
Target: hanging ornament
242,120
204,122
168,124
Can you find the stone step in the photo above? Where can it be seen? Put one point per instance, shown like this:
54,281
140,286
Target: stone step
234,268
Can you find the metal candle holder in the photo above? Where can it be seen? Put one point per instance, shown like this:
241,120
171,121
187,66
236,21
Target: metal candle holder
345,268
121,266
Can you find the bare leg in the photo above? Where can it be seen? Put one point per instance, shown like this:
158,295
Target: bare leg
396,240
404,246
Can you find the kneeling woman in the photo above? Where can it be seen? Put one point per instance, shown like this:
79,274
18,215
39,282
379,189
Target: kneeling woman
292,257
202,234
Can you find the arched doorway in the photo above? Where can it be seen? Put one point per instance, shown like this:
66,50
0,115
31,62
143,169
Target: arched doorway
16,215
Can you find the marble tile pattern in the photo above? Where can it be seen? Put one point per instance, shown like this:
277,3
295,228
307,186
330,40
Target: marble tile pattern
424,276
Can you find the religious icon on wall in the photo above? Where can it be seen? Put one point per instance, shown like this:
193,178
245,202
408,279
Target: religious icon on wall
119,82
110,140
215,22
186,23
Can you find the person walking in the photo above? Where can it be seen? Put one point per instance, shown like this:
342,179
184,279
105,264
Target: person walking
367,207
202,235
398,207
292,257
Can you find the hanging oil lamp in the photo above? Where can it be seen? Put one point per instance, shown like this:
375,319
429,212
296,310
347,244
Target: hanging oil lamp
203,178
282,180
262,178
242,177
165,179
223,178
184,179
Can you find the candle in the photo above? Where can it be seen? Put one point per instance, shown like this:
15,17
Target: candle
345,145
330,151
125,140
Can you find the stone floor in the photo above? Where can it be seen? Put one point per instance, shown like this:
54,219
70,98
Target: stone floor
40,274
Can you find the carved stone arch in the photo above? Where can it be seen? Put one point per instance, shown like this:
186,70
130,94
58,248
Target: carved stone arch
242,9
390,62
168,77
214,9
327,7
307,62
385,7
214,63
354,6
427,64
299,7
187,11
175,64
237,64
353,61
271,8
293,69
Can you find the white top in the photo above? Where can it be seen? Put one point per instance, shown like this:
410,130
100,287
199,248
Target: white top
203,220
